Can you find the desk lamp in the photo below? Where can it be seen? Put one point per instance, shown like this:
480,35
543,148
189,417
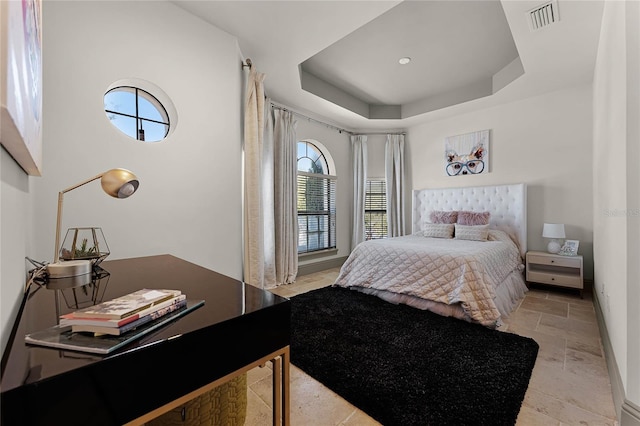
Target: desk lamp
119,183
554,231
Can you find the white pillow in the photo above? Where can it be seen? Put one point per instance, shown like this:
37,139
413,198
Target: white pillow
438,230
472,232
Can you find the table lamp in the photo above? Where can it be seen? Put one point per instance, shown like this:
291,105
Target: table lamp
554,231
119,183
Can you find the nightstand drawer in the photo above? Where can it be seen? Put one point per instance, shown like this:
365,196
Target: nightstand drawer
574,281
569,262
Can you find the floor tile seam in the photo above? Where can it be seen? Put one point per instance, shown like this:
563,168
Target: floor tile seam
580,322
520,303
538,322
589,375
594,322
593,412
266,403
565,335
582,304
346,419
258,380
562,403
573,300
542,311
547,415
565,402
602,358
564,360
573,335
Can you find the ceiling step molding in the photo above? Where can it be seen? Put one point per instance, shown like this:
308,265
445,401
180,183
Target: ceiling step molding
543,15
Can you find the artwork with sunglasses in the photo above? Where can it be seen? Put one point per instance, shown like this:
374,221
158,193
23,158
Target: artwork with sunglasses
467,154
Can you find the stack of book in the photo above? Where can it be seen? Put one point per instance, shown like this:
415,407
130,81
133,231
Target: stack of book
126,313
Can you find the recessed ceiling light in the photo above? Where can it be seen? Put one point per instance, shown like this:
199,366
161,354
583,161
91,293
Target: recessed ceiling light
404,61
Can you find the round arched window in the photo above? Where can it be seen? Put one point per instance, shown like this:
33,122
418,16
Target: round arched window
316,198
311,159
137,113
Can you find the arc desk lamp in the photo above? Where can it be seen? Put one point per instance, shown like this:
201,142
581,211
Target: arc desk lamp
118,183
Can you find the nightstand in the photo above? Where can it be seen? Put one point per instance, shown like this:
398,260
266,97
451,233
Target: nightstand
555,269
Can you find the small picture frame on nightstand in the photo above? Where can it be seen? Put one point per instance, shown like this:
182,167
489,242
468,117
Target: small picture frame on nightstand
570,248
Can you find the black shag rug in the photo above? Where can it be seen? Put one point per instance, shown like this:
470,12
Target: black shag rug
404,366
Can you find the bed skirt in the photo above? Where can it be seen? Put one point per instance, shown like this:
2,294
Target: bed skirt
508,296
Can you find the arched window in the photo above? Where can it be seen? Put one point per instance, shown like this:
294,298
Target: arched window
316,198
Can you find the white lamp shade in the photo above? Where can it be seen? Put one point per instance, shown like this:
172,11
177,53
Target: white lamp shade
553,230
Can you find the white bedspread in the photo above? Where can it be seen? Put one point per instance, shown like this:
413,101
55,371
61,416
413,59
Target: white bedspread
448,271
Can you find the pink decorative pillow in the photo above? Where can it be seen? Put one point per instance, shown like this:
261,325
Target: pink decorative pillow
473,218
439,216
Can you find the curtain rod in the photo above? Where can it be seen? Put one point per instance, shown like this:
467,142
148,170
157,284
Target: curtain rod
331,126
248,64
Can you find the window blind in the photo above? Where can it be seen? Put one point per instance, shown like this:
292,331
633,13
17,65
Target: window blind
316,212
375,209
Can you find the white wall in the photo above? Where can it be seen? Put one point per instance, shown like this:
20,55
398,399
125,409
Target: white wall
617,186
632,27
14,225
376,150
189,200
609,128
544,141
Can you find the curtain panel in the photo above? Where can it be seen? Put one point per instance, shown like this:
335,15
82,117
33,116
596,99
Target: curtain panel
270,185
285,196
394,174
268,199
359,149
253,156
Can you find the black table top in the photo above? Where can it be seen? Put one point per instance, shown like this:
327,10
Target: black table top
237,325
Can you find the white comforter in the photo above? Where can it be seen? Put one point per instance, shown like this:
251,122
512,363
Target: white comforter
448,271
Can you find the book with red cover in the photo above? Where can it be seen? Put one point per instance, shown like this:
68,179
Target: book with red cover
97,330
127,305
78,318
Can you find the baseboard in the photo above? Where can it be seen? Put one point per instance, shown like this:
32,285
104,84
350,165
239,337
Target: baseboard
630,415
321,265
627,412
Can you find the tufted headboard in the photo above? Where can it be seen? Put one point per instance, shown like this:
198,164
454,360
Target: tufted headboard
506,203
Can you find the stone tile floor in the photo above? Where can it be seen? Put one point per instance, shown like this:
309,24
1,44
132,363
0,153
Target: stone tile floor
569,385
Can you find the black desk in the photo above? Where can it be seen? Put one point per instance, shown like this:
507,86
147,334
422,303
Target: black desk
238,328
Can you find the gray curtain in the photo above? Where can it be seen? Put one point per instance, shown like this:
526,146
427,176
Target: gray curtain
285,192
359,148
394,174
268,196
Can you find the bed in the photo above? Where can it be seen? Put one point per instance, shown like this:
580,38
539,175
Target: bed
474,279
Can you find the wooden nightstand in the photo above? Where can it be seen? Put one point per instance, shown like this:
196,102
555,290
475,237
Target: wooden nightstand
555,269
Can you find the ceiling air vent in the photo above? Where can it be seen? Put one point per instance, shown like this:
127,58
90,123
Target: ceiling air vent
543,15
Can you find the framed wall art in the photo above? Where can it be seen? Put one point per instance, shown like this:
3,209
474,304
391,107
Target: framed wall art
467,154
21,81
